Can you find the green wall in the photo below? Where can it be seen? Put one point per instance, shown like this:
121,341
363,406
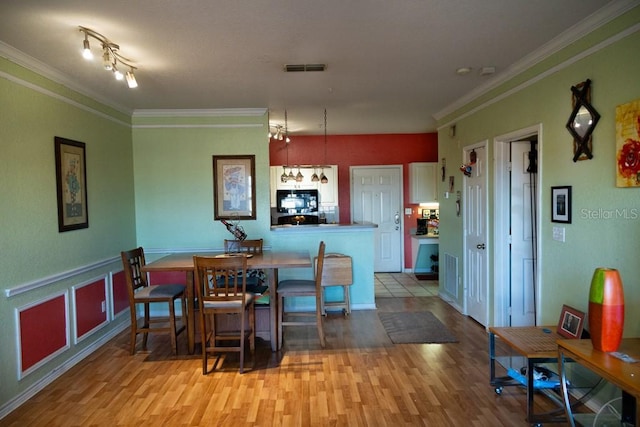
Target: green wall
174,177
33,111
545,98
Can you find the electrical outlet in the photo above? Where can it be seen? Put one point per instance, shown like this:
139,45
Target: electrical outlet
558,234
104,306
408,211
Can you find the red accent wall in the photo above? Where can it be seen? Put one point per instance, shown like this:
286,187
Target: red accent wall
360,150
120,293
43,331
168,277
88,301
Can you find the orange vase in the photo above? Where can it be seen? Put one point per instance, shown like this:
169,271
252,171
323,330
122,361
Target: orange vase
606,309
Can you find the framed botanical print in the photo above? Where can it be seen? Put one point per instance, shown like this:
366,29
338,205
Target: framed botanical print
234,187
71,183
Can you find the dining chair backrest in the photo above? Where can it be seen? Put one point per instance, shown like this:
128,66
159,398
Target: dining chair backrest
133,261
319,268
251,246
217,279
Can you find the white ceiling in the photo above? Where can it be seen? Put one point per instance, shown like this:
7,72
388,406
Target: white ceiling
391,63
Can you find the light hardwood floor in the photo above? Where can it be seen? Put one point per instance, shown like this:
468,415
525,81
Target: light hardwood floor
360,378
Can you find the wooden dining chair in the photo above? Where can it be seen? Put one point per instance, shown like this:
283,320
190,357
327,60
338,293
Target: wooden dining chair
301,288
141,293
222,291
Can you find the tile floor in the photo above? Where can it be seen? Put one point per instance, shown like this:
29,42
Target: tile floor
389,285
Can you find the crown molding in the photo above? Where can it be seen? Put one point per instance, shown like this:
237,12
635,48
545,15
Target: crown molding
566,38
18,57
217,112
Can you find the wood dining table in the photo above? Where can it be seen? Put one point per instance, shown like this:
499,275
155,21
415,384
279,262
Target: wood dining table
269,261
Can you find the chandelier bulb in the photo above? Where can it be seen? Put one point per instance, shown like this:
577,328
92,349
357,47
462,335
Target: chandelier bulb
86,51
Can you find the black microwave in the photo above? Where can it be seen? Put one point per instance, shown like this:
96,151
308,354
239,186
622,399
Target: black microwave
297,201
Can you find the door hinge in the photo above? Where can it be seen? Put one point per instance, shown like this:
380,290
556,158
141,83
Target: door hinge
509,167
509,239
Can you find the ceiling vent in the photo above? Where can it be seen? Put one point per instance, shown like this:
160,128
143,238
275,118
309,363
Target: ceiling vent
295,68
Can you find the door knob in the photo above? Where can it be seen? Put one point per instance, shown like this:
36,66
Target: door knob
480,246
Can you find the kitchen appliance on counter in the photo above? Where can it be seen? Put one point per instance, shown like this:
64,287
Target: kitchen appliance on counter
422,226
297,201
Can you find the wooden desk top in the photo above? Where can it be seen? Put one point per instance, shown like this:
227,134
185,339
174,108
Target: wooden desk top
624,374
268,259
532,342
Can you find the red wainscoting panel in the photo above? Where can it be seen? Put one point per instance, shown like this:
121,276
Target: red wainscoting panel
119,292
90,306
168,277
43,330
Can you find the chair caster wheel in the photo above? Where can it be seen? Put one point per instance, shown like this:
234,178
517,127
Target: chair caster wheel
498,390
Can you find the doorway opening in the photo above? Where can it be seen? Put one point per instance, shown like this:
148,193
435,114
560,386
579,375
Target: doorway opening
517,224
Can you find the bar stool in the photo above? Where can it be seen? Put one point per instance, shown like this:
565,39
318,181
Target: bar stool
337,271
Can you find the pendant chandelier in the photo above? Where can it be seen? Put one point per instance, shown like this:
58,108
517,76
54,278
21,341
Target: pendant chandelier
323,177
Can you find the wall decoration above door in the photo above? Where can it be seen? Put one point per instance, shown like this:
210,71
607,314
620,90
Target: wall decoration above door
628,144
582,121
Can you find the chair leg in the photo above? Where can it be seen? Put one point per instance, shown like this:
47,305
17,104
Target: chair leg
346,299
172,325
252,325
134,330
145,334
203,341
280,317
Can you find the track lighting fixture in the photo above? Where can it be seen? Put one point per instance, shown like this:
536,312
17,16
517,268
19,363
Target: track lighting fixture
110,56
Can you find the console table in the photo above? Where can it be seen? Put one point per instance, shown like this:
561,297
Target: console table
624,375
538,345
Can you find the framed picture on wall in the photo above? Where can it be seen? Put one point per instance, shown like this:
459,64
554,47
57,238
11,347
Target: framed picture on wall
234,187
71,184
561,204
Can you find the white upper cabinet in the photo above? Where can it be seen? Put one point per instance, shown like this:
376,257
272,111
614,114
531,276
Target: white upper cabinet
423,183
329,191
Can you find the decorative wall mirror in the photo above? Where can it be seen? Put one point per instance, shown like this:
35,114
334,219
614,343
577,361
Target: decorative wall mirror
582,121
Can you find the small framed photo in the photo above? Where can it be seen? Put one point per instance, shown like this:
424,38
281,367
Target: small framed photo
571,322
561,204
71,184
234,187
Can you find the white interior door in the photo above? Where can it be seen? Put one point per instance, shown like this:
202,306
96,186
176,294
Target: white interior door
522,298
475,236
375,197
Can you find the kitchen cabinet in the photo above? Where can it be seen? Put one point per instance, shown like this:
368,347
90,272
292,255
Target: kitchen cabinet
328,192
423,182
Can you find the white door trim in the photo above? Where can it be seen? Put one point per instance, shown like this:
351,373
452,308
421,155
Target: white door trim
501,223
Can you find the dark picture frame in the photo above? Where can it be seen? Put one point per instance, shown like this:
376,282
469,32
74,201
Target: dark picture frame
561,204
234,187
571,322
71,184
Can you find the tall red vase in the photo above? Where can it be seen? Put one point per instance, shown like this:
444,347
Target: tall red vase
606,309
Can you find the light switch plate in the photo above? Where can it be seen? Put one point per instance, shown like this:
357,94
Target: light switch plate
558,234
408,211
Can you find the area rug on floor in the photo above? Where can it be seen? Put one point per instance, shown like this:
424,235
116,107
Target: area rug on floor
416,327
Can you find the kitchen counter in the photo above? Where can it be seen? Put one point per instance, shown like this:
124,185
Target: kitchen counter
423,246
425,236
324,228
